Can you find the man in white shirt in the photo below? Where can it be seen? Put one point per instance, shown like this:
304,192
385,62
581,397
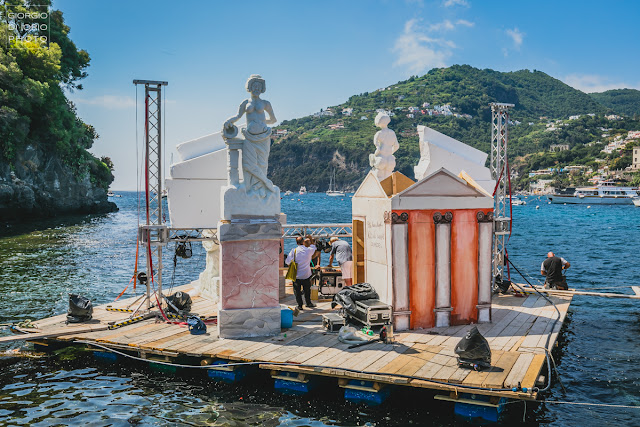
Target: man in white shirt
302,255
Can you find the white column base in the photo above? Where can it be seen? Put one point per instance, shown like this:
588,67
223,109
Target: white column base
443,317
484,313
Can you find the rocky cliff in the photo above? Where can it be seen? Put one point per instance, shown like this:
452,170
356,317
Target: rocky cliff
39,184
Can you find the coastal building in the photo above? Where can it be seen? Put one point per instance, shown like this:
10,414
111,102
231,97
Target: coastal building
559,147
636,159
541,186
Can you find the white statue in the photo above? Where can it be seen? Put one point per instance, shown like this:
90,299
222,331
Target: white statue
257,137
383,162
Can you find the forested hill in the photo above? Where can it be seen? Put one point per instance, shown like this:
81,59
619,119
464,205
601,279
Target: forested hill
622,101
45,168
454,101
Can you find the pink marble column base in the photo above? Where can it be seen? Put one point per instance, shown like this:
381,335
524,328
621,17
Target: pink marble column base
249,274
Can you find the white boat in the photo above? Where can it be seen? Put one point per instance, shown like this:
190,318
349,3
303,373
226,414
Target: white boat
288,193
164,193
605,193
110,194
515,201
332,184
303,190
636,201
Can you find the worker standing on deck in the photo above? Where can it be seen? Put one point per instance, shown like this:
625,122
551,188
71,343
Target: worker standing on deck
552,268
302,254
341,250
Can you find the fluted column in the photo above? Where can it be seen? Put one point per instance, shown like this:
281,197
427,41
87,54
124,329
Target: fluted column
485,228
400,271
443,268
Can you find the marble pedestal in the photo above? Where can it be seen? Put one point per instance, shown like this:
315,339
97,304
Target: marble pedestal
249,282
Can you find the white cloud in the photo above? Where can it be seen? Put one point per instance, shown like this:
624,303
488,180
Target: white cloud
444,25
465,23
594,83
517,36
449,3
112,102
447,25
419,52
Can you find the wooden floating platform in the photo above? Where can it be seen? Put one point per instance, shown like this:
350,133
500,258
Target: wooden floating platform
517,336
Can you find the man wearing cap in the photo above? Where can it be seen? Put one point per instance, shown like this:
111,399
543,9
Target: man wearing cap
341,250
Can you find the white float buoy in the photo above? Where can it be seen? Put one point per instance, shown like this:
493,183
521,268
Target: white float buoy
537,207
588,207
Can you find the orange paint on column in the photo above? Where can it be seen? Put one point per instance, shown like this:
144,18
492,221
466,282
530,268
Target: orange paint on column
464,267
422,274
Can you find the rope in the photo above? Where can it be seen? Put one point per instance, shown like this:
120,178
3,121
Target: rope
411,377
605,405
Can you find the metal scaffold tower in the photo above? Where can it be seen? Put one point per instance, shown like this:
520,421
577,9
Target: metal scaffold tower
501,197
153,234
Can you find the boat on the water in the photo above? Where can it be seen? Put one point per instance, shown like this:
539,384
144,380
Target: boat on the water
288,193
332,186
110,194
605,193
636,201
515,201
303,190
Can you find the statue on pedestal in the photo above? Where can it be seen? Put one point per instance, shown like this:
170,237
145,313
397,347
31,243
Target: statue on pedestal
255,150
383,162
255,195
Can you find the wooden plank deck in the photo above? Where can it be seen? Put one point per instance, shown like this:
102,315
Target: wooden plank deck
423,358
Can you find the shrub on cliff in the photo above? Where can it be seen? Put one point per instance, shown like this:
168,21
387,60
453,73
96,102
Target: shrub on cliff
33,73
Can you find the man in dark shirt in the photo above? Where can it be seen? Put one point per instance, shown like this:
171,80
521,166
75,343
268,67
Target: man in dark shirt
552,268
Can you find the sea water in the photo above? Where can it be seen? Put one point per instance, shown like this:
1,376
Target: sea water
598,355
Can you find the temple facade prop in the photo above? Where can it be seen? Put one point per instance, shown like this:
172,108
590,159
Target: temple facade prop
425,247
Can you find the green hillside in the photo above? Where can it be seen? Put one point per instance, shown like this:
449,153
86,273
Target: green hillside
621,101
313,145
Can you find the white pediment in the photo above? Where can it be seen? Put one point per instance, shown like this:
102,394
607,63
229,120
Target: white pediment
370,188
442,183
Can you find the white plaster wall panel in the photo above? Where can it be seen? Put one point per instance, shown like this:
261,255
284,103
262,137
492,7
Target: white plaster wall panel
208,166
374,230
438,150
200,146
376,274
194,203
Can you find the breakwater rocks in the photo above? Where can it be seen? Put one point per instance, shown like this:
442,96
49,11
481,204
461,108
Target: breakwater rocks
40,185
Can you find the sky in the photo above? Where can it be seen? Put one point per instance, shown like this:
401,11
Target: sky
317,54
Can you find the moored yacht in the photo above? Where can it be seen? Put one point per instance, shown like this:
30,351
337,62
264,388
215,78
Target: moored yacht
605,193
303,190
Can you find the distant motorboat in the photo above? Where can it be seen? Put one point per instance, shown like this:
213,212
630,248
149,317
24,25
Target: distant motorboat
303,190
110,194
636,201
288,193
515,201
164,193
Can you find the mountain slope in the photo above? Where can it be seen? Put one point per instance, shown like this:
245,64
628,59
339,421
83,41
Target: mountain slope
621,101
315,144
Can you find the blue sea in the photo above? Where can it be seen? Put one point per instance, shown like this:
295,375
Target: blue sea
598,354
